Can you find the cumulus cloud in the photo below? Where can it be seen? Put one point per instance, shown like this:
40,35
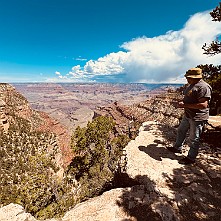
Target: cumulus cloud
57,73
163,58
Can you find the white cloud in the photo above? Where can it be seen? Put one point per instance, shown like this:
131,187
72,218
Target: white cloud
57,73
80,59
109,64
163,58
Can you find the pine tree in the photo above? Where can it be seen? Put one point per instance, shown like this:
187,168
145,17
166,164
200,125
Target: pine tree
215,47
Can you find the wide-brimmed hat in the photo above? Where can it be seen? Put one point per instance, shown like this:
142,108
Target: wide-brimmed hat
194,73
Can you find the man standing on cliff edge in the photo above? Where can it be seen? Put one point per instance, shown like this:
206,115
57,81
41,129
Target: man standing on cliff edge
196,112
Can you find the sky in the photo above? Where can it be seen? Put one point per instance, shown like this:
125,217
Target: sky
124,41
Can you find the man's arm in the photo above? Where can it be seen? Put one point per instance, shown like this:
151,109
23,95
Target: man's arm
202,104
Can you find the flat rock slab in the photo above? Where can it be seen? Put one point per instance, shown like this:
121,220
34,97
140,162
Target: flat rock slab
149,160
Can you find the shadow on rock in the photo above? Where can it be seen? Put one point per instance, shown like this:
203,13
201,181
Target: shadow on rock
146,203
196,189
196,198
137,201
157,153
197,192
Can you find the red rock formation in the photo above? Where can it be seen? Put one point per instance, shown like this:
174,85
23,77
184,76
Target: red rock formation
14,104
63,136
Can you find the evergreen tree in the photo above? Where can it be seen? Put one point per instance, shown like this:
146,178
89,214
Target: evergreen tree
212,75
215,47
97,153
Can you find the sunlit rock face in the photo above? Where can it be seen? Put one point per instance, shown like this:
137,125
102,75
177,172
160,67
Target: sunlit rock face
14,212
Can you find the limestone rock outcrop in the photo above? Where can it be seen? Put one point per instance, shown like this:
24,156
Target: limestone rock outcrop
195,188
15,212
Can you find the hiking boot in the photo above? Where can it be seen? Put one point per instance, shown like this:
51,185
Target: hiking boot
174,150
186,161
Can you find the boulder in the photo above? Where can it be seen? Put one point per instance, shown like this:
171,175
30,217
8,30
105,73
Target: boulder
14,212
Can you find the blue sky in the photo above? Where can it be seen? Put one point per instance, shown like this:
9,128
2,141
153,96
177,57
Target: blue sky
103,40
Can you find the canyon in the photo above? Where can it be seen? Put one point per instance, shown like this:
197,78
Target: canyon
156,186
74,104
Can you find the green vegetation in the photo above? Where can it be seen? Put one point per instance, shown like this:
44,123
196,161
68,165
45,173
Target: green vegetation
212,75
27,172
215,47
28,168
97,155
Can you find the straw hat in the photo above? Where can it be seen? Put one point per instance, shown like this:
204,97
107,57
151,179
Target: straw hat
194,73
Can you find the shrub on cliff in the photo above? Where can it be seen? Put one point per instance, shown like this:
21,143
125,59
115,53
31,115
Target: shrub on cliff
97,155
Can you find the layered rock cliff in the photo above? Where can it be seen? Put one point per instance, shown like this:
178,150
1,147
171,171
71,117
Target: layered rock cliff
129,118
14,106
